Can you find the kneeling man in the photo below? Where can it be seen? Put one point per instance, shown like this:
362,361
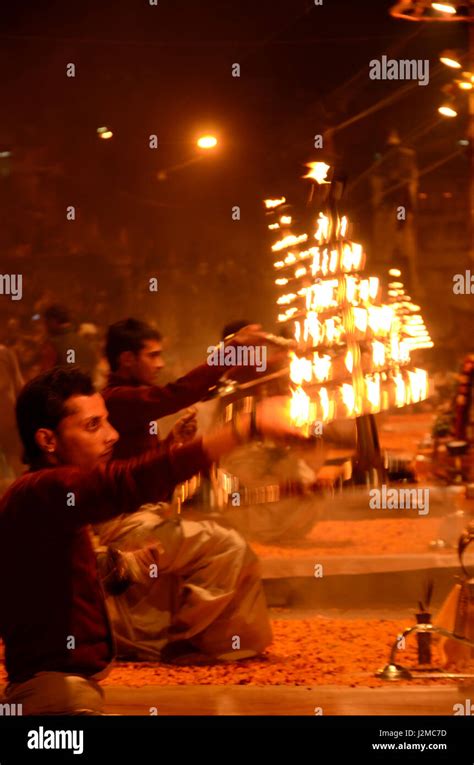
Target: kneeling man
53,619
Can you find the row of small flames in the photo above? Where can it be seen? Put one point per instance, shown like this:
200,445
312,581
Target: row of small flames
357,318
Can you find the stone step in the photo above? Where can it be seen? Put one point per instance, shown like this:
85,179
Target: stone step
385,589
287,700
368,557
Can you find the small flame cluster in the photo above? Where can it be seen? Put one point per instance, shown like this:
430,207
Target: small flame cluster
353,353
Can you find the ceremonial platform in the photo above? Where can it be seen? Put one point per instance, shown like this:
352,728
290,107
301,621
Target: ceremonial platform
338,599
369,561
358,556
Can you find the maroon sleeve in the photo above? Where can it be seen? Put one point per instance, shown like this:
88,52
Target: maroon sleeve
70,496
132,407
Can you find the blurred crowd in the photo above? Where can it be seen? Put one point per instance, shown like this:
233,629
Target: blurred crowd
50,338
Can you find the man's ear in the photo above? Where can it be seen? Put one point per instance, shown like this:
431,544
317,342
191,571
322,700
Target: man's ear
46,440
127,359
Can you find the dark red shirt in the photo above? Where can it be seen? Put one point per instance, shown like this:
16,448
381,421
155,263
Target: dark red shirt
50,593
132,407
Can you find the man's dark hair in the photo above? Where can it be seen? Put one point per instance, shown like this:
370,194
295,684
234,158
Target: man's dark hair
42,404
57,313
127,335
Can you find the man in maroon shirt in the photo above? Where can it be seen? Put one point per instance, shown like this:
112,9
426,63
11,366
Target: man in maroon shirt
142,617
53,619
134,400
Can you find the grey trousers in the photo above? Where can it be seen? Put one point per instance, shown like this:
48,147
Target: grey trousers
208,589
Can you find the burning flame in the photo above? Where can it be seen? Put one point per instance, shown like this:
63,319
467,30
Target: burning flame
315,264
350,288
312,327
322,228
378,353
360,319
380,319
352,257
400,391
300,369
271,203
285,299
300,407
348,397
318,171
326,279
325,404
418,379
372,385
374,283
289,241
333,261
321,367
322,295
349,361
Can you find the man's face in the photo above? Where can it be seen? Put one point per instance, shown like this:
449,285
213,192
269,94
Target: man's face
147,363
85,437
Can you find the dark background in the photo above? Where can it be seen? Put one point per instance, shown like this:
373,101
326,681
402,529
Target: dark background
166,70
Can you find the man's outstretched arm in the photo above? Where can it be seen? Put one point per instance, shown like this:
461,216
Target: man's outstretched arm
70,496
129,405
